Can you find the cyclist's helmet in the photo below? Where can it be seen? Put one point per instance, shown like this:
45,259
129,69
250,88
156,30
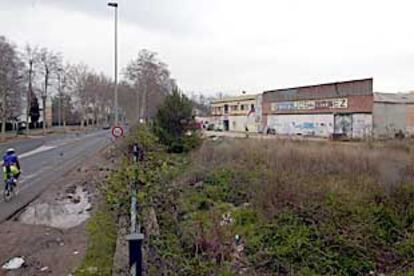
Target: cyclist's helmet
10,151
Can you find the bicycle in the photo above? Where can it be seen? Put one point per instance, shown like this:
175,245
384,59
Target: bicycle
9,188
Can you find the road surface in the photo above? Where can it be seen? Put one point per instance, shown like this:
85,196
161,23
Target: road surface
45,161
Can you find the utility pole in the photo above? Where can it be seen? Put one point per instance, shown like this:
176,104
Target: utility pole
115,6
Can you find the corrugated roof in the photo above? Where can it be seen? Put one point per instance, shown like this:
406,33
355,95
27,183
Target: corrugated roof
235,98
394,97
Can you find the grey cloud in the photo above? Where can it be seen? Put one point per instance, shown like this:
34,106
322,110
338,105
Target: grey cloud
177,17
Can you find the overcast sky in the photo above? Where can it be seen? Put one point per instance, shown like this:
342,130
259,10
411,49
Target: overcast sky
231,45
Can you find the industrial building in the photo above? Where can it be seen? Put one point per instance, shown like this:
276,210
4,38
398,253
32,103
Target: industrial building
339,108
347,109
393,114
239,113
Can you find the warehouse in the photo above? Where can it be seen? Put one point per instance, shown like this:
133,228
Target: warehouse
238,113
393,114
332,109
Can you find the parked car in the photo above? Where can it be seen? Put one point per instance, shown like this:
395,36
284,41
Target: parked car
106,127
210,127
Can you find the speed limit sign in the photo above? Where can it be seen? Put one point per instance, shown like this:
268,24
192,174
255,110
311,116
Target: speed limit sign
117,131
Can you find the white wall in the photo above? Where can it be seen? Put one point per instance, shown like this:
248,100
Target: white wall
361,125
239,123
302,124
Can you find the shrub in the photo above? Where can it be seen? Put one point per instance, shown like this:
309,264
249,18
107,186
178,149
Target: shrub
173,122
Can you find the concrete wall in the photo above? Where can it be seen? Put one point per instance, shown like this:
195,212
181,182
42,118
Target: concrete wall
298,124
239,123
259,114
322,125
390,118
361,125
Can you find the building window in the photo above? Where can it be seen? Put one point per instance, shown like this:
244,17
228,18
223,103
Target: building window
252,107
226,108
242,107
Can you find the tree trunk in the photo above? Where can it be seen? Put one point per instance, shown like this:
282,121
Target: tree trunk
64,119
144,103
44,114
138,106
96,116
29,97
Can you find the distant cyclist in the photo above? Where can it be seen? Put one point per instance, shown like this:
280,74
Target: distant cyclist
11,164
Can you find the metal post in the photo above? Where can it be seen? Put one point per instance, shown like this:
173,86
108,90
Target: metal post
115,5
116,66
135,238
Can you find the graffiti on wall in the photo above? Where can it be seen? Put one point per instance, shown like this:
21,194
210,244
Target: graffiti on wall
311,125
340,103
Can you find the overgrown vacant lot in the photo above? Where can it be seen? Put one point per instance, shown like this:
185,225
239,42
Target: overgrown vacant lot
280,207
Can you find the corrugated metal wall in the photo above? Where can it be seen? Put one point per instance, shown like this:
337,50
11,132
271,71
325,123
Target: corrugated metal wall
410,119
330,90
390,118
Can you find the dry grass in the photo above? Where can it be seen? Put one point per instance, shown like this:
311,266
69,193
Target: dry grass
353,201
300,208
311,166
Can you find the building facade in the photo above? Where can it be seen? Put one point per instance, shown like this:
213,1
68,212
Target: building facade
342,108
393,114
348,109
237,113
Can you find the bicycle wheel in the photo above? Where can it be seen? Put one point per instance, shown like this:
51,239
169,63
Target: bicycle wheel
8,192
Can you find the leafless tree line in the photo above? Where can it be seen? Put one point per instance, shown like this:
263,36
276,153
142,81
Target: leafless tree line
77,93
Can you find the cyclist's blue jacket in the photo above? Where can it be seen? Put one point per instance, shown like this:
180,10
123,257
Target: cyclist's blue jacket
10,160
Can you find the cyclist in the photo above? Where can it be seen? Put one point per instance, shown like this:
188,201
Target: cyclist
11,164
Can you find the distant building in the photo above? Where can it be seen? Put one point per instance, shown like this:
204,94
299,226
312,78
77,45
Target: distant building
341,108
393,114
236,113
347,109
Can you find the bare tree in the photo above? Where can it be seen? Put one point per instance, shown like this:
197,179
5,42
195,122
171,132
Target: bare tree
10,82
62,73
151,79
77,83
49,63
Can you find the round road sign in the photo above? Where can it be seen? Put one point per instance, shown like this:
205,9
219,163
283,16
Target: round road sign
117,131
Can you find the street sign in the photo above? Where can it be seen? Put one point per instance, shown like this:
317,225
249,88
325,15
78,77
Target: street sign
117,131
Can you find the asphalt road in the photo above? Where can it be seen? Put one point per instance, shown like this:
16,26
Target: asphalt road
45,161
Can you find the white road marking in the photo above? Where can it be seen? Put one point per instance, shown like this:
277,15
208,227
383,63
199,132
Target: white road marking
36,151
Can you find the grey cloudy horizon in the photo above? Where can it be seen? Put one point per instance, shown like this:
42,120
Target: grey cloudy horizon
230,46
